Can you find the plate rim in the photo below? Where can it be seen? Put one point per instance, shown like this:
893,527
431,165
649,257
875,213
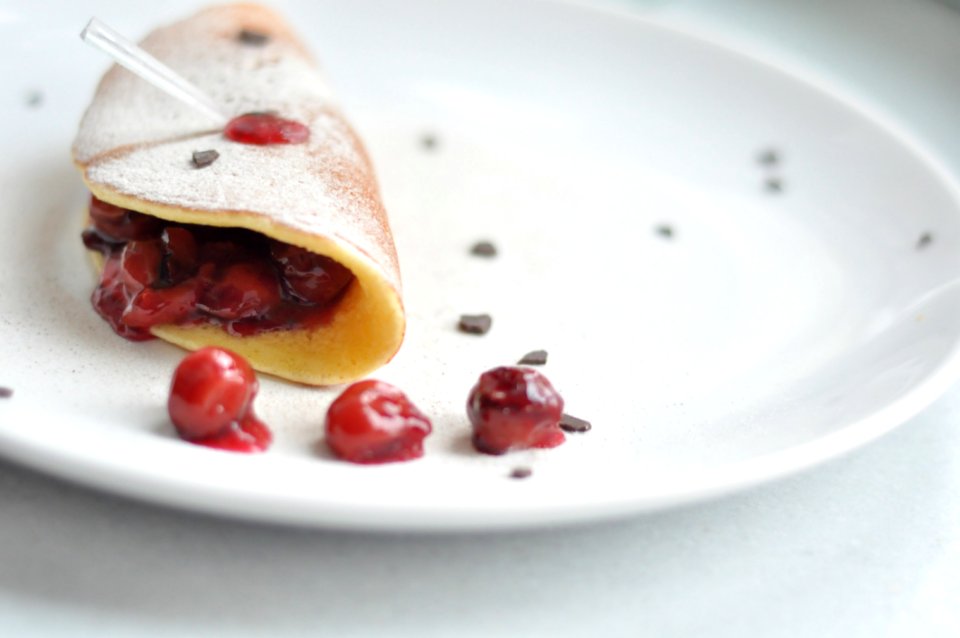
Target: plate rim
712,483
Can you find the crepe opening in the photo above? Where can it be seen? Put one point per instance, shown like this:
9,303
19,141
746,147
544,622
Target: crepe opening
364,333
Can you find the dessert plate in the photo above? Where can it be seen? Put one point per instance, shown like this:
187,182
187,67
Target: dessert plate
737,273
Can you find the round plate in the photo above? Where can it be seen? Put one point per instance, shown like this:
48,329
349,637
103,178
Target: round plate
736,274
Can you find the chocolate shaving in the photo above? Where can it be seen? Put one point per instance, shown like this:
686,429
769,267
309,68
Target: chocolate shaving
253,38
484,249
428,142
569,423
773,184
768,157
665,231
534,358
924,240
475,324
204,158
5,393
521,473
34,99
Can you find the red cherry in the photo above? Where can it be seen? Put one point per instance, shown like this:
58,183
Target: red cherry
513,409
104,213
221,251
120,224
140,264
179,255
212,389
374,422
110,300
245,289
308,277
93,239
265,128
154,307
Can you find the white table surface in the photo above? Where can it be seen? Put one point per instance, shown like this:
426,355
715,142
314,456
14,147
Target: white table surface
868,545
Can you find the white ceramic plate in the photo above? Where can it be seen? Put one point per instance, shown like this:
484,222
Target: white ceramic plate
773,330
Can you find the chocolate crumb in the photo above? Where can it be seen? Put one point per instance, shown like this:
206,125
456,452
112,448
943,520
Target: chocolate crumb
34,99
5,393
253,38
665,231
204,158
924,240
429,142
521,473
475,324
773,185
484,249
569,423
768,157
534,358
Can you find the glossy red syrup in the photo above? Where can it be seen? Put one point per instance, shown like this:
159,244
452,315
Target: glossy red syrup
156,273
374,422
265,128
211,402
248,435
514,408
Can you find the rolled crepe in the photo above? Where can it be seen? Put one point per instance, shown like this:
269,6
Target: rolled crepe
134,148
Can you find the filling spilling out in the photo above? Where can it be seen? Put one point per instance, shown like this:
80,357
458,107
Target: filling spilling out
157,272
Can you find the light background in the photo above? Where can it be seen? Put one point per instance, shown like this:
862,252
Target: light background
865,546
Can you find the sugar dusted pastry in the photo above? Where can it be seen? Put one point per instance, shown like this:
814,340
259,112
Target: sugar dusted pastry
268,237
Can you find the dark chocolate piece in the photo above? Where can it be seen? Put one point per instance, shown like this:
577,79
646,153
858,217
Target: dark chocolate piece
204,158
665,231
483,249
768,157
475,324
428,141
34,99
924,240
773,185
520,473
253,38
569,423
534,358
5,393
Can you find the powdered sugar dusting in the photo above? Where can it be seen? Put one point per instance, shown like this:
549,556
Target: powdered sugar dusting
136,140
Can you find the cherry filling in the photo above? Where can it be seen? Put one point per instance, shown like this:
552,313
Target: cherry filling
157,272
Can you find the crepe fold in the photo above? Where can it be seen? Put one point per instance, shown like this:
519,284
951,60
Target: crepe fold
134,148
